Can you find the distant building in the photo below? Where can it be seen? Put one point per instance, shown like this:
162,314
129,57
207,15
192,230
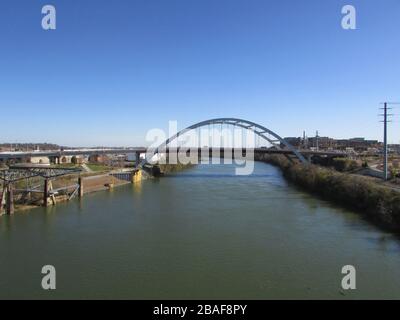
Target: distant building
323,142
65,159
305,143
394,148
38,160
295,142
357,144
98,158
77,160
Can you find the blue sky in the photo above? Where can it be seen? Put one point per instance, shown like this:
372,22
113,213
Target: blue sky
115,69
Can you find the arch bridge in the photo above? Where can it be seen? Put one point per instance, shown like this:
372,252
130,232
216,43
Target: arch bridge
268,135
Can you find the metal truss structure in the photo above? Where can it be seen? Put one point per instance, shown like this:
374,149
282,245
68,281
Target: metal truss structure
19,172
9,176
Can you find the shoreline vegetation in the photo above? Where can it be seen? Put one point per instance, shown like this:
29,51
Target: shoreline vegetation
378,203
172,168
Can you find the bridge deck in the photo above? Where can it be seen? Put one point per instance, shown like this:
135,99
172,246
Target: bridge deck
88,152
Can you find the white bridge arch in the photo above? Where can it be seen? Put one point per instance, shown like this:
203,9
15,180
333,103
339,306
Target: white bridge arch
259,130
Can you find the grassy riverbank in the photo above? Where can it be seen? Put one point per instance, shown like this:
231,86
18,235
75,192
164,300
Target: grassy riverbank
378,203
171,168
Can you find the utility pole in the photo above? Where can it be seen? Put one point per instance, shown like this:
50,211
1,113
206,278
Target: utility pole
385,151
385,142
317,140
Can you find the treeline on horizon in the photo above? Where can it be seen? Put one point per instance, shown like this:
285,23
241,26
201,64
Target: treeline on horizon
31,146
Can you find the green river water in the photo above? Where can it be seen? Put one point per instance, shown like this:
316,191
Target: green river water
201,233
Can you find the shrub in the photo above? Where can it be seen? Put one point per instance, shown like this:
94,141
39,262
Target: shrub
380,203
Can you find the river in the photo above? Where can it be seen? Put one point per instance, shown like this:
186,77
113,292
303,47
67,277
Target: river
202,233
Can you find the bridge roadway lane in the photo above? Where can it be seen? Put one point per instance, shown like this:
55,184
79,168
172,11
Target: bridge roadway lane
88,152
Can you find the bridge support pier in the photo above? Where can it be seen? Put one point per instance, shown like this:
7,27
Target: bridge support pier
80,183
46,192
136,176
10,199
3,200
137,159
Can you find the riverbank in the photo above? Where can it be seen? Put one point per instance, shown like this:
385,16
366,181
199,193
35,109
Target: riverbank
171,168
378,203
64,188
101,180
